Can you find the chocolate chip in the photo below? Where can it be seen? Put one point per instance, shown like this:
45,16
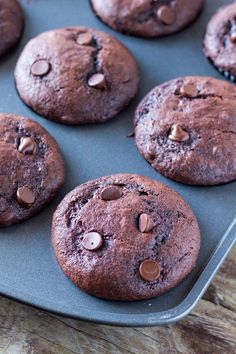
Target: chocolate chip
85,38
6,218
166,15
27,146
233,37
97,81
40,67
131,135
92,241
189,90
25,196
151,155
178,134
146,223
149,270
214,150
111,193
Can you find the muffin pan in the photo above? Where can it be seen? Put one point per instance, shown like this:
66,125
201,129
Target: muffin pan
28,269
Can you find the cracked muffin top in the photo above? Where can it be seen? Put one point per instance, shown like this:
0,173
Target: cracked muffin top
186,129
12,24
125,237
76,75
31,168
147,18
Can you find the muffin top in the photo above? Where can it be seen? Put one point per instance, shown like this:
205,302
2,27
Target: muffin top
76,75
125,237
186,129
220,39
146,18
31,168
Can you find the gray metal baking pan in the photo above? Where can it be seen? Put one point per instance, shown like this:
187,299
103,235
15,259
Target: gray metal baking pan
28,269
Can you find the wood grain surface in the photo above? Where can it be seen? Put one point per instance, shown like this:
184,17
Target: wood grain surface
210,328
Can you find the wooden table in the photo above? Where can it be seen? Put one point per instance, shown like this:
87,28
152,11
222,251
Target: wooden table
211,328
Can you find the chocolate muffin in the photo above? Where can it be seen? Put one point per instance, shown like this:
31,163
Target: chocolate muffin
125,237
220,41
12,23
147,18
31,168
76,75
186,129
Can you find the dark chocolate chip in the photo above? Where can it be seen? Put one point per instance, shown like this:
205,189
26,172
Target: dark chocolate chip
146,223
92,241
111,193
27,146
97,81
40,67
178,134
149,270
85,38
189,90
166,15
25,196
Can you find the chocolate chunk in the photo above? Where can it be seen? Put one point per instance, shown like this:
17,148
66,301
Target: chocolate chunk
166,15
146,223
25,196
111,193
233,37
92,241
189,90
149,270
85,38
40,67
27,146
178,134
97,81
